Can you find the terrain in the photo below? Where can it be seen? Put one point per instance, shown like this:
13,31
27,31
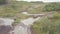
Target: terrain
48,24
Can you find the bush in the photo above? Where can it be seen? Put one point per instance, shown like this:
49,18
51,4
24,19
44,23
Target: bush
46,26
56,16
52,7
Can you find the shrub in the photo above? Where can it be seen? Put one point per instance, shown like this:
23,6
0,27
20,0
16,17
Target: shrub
46,26
56,16
52,7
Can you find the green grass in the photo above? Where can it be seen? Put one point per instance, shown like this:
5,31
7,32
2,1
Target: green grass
45,24
8,11
57,32
15,9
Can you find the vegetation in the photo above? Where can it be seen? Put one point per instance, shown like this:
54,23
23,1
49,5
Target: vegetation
16,21
52,7
56,15
3,2
30,7
47,25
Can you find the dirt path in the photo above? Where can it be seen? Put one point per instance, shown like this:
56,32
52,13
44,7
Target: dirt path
24,26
